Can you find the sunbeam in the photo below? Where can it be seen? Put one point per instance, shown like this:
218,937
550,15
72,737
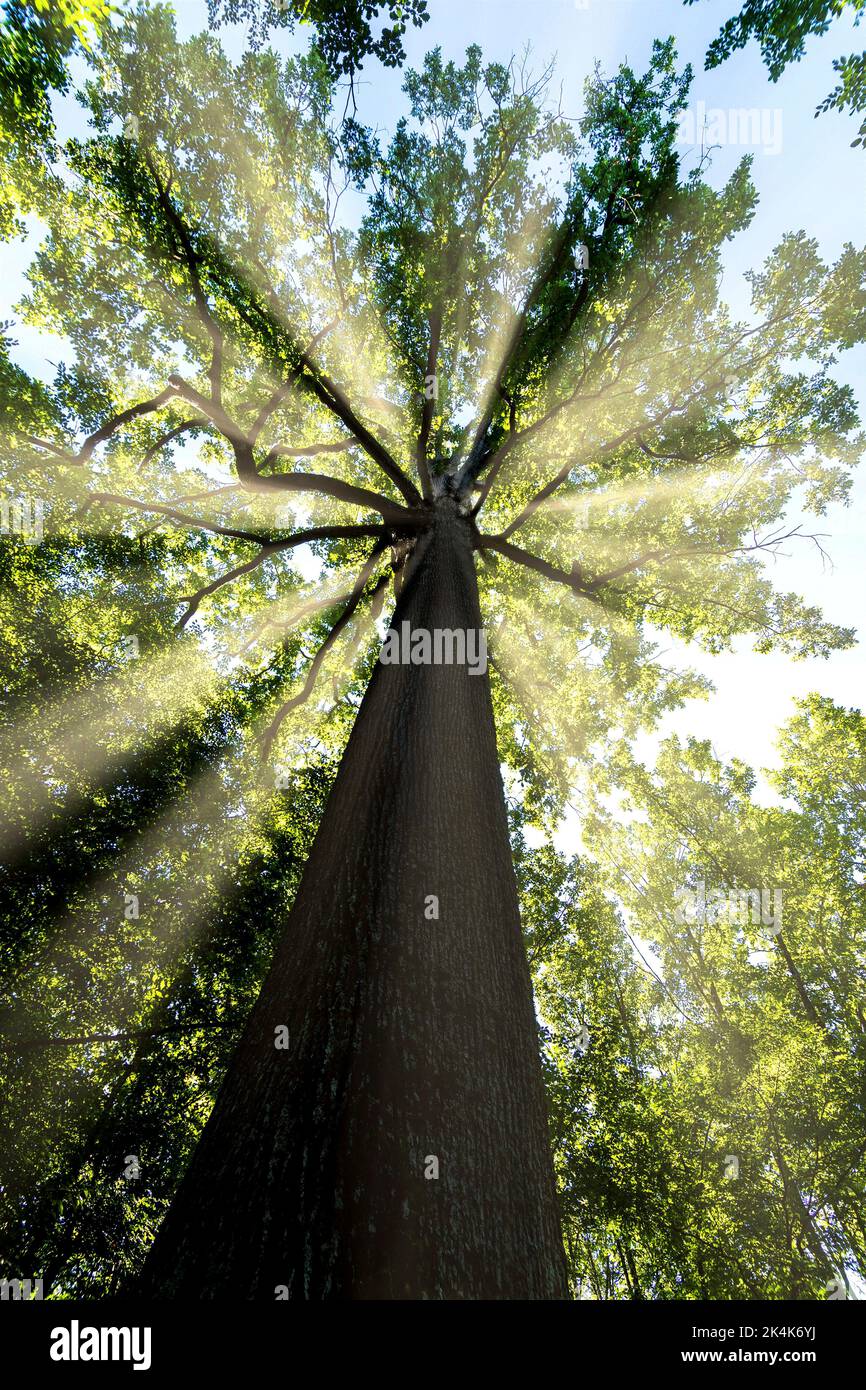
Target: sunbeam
85,738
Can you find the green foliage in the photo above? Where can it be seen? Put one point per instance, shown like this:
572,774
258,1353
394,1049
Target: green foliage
36,39
345,29
116,1028
782,28
245,363
714,1037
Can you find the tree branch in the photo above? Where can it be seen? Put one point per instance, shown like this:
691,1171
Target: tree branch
176,515
435,320
191,258
574,579
306,690
132,413
254,480
197,423
558,250
334,399
561,244
52,448
278,396
685,552
307,374
330,487
269,548
307,451
29,1044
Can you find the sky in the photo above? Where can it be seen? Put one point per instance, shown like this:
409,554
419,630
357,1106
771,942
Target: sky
808,177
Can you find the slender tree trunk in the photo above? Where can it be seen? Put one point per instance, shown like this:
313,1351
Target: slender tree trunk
412,1039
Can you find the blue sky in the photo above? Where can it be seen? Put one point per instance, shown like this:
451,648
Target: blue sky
814,181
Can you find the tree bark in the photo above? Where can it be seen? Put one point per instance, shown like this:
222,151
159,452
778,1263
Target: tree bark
410,1038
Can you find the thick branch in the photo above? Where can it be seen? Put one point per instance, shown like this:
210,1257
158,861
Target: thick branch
255,481
429,405
574,579
132,413
334,399
390,511
191,259
559,249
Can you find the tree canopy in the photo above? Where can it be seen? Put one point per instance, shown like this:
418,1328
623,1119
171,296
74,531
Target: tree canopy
346,30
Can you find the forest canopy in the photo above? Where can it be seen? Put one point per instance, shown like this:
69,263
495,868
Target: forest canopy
287,336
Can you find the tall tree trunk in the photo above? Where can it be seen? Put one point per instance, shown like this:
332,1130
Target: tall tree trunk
411,1038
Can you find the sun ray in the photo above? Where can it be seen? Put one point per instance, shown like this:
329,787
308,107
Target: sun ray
226,823
87,737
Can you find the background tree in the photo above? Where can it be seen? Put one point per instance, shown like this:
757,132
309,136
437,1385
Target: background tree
759,1043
